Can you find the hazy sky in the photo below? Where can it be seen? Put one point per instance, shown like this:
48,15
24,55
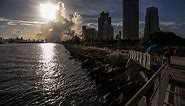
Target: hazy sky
24,15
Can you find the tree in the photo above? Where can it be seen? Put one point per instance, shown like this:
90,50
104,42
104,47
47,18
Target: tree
163,38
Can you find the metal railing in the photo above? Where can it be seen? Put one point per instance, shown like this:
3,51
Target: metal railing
161,77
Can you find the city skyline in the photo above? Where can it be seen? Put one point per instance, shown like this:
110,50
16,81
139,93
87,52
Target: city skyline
92,52
25,15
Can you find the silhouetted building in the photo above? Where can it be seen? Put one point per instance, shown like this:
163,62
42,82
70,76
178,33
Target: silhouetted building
1,40
105,29
151,21
89,34
19,40
130,19
83,30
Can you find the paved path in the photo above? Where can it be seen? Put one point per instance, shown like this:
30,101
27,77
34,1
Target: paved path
180,61
175,94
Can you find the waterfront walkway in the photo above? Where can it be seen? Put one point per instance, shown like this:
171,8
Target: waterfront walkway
169,85
175,95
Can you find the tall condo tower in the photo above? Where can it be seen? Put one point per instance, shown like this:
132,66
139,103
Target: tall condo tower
105,29
151,21
130,19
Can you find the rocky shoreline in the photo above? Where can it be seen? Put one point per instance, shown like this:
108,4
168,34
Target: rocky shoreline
117,77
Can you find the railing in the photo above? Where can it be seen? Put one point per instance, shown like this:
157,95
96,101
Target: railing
160,81
146,60
143,59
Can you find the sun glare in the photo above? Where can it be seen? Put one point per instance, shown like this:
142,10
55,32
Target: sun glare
48,11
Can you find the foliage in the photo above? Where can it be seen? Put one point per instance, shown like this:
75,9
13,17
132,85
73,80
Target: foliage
163,38
92,50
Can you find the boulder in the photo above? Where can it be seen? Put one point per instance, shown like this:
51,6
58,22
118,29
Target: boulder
88,63
133,71
117,60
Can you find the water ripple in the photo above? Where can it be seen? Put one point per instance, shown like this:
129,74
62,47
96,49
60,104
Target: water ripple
42,74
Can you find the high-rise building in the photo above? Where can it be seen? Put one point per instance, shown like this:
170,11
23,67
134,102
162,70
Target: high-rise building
1,40
130,19
83,30
89,33
105,29
151,21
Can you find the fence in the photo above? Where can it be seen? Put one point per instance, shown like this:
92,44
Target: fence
143,59
146,60
160,81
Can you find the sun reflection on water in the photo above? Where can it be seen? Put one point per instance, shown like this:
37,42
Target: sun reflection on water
48,66
48,52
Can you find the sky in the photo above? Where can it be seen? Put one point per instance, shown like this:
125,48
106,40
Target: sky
23,17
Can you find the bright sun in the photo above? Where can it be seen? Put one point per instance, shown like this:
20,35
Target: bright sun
48,11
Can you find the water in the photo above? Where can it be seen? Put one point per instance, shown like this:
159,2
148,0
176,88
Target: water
42,75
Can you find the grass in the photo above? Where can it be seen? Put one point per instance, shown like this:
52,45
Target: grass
93,50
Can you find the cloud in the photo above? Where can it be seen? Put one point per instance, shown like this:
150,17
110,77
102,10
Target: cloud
117,24
89,10
3,26
178,28
170,25
2,19
141,28
10,22
57,29
166,24
93,25
8,27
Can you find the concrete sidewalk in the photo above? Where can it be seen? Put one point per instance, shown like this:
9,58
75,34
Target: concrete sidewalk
175,95
179,61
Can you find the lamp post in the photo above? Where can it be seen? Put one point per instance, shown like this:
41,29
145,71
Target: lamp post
119,42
